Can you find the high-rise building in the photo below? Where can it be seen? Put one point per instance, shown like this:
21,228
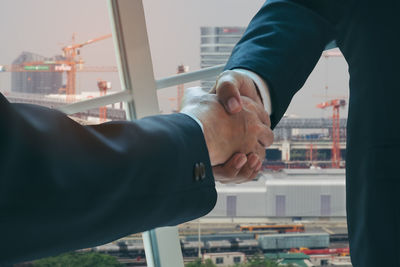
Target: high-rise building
38,78
216,46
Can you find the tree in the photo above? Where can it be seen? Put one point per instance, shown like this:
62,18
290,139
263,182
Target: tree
258,260
78,259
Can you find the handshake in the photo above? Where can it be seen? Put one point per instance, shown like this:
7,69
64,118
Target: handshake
235,125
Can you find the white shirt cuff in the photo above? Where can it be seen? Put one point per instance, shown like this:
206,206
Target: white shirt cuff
262,86
194,118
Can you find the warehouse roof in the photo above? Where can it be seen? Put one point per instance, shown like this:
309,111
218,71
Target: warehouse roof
288,177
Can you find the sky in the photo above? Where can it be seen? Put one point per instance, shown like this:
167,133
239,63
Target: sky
45,26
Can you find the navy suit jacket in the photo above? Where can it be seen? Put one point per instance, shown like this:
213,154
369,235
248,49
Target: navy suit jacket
64,186
283,43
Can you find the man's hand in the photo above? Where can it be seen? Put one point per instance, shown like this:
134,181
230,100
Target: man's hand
244,132
229,87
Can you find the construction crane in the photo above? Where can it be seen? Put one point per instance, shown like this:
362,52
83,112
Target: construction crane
68,64
70,53
181,87
103,87
335,104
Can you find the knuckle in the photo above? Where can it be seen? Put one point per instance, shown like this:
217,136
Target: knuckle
229,172
261,152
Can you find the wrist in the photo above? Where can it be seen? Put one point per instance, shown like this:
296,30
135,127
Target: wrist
258,92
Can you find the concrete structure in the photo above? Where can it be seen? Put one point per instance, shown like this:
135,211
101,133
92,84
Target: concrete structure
330,260
285,148
296,193
303,134
36,79
115,112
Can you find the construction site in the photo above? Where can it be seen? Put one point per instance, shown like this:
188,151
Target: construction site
300,193
52,82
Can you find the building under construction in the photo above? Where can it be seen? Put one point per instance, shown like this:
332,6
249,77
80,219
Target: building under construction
37,79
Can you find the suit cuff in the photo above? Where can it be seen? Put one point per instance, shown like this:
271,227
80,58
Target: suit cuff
194,118
262,87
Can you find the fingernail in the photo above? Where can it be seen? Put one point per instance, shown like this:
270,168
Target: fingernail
253,163
233,104
240,162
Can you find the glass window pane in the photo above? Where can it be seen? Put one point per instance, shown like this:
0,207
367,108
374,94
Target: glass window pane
34,70
176,38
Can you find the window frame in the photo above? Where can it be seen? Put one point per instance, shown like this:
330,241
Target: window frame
162,246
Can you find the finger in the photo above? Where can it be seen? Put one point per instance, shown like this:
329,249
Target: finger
244,173
259,150
214,88
248,169
256,171
227,89
250,176
265,136
230,169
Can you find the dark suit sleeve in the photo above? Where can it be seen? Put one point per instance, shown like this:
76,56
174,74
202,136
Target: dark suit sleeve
64,186
284,41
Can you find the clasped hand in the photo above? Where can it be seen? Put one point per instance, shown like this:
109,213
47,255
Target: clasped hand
236,139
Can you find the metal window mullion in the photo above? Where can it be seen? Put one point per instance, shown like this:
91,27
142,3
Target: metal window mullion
126,95
133,56
189,77
162,245
97,102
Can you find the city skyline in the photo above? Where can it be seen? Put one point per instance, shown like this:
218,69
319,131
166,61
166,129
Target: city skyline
42,27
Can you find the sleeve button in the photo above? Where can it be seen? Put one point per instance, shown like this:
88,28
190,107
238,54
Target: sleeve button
202,171
197,172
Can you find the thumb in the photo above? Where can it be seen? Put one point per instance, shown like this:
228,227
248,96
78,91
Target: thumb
227,90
